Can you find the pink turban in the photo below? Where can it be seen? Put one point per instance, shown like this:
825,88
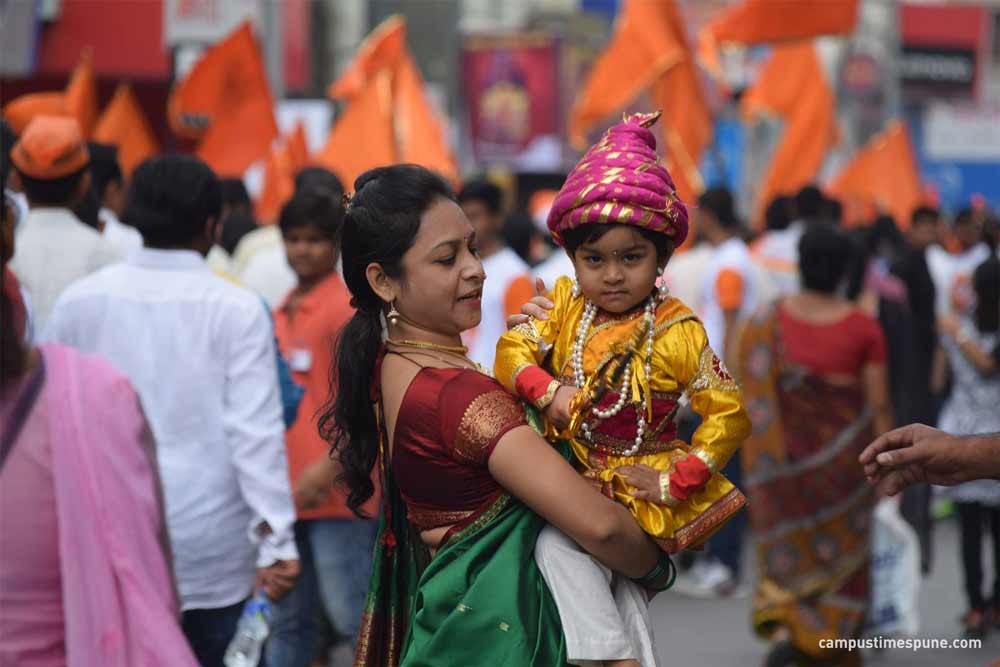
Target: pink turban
620,180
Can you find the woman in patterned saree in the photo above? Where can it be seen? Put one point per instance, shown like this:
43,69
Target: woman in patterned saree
466,483
813,371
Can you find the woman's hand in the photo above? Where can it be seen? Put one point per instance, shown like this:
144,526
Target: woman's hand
949,324
646,481
558,413
537,308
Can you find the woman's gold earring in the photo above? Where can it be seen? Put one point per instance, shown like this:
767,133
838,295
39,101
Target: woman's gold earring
393,314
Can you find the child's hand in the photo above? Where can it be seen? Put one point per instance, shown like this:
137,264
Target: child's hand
537,308
558,412
646,480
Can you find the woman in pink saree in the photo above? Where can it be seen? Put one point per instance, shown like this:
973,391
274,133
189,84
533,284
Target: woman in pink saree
83,576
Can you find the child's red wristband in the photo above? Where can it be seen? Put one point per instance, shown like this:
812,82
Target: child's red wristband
689,476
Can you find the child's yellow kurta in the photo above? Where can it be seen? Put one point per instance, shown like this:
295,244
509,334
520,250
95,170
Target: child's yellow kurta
682,363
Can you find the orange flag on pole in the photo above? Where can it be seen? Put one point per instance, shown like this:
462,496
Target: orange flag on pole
768,21
649,51
81,95
279,185
388,118
793,86
362,136
124,124
298,148
225,100
419,130
19,111
884,173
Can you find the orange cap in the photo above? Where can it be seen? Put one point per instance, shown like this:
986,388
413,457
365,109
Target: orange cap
51,147
20,111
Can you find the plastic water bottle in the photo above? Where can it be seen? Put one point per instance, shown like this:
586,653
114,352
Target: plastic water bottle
251,632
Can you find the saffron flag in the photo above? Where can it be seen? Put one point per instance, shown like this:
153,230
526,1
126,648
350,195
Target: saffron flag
298,148
649,51
388,118
883,173
225,101
123,124
279,185
770,21
81,95
19,111
793,87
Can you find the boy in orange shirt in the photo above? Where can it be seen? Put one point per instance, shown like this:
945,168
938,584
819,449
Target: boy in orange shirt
335,546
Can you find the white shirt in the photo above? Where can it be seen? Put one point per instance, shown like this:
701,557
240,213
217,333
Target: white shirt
952,275
53,249
555,267
126,238
200,353
734,255
265,237
685,274
501,269
269,274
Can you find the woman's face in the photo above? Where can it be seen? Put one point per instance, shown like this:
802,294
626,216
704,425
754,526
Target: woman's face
441,287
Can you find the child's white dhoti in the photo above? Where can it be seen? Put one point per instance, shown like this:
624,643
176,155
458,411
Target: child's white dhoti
604,615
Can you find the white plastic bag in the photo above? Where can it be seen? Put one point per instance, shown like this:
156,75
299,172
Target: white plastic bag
895,573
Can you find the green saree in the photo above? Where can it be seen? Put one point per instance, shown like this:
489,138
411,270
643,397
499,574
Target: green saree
480,600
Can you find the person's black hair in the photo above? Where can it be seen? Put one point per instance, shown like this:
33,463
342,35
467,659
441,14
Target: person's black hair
826,257
809,203
319,177
13,361
986,282
594,232
884,235
313,207
719,201
778,214
104,167
518,232
832,211
483,191
965,216
62,191
7,141
235,226
234,193
88,209
171,198
924,214
380,225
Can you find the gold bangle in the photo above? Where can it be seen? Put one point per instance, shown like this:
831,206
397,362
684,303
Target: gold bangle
665,497
550,395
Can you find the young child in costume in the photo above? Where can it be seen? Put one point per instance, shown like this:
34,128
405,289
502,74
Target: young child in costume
608,370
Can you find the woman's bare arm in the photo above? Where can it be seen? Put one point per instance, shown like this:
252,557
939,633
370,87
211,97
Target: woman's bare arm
876,381
531,470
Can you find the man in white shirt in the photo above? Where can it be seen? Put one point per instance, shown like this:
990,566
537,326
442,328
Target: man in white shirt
952,273
200,352
508,285
108,183
54,248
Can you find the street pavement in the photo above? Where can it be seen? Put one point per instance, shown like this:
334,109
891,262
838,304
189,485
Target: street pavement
716,633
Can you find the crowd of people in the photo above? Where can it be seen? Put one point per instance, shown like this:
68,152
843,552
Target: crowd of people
174,377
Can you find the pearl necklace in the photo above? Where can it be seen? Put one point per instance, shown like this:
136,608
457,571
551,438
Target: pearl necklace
576,356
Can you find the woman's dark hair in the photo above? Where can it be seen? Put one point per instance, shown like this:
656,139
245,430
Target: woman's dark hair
171,199
13,362
826,256
380,225
986,282
592,233
314,207
60,191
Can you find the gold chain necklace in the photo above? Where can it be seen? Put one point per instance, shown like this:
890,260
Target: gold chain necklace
454,349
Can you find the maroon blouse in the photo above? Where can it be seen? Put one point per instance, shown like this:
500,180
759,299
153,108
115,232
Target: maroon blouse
449,423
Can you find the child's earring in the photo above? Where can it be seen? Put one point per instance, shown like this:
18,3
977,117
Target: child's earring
576,290
664,290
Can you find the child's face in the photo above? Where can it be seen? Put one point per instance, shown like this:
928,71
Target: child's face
311,253
618,271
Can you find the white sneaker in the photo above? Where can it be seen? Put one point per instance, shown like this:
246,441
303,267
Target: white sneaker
706,579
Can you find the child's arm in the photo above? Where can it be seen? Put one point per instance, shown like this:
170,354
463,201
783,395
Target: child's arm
522,351
683,352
